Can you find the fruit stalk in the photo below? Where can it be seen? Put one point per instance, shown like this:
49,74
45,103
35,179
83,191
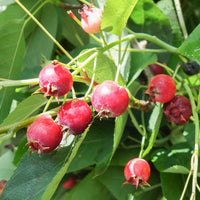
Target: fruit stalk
11,83
196,147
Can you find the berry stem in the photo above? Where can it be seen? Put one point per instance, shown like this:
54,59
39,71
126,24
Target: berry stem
92,80
83,64
134,121
45,31
197,135
12,83
119,60
48,104
105,43
142,146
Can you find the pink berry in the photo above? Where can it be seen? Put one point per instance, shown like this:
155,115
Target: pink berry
156,69
44,135
55,80
137,172
178,110
75,115
69,183
161,88
91,19
109,99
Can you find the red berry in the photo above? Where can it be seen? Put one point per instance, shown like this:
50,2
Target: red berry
55,80
137,172
44,135
162,88
109,99
91,19
178,110
69,183
75,115
156,69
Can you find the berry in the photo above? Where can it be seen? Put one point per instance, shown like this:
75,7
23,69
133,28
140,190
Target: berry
55,80
161,88
109,99
91,19
178,110
75,115
44,135
191,68
137,172
156,69
69,183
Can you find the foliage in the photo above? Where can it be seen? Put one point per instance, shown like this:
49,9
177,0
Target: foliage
134,34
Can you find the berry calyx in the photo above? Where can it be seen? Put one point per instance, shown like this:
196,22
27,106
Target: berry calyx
109,99
44,134
75,115
91,19
178,110
69,183
156,69
191,67
137,172
161,88
55,80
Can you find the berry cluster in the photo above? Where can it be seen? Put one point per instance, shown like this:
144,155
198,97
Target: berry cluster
108,99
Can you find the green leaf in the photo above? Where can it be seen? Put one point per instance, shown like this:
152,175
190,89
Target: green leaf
25,109
120,123
172,185
96,147
88,189
6,167
33,175
148,18
105,68
69,25
39,45
191,46
12,52
122,156
175,160
167,7
138,62
21,150
154,125
189,134
116,14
